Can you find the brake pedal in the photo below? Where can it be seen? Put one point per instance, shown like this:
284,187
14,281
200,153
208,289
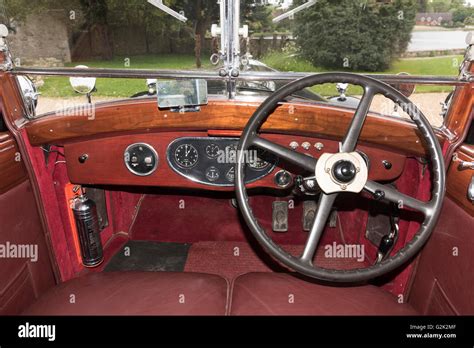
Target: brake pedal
280,216
309,213
333,219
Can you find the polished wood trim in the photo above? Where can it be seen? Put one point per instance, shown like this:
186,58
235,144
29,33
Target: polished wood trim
459,180
460,112
105,165
11,100
12,170
319,120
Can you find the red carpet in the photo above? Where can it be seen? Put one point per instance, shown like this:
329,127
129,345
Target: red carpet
231,259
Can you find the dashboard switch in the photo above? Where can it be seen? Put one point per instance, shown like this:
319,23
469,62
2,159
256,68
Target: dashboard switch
294,145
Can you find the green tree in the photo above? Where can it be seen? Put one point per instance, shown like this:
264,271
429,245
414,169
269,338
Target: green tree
96,18
423,6
257,16
440,5
342,34
201,14
19,10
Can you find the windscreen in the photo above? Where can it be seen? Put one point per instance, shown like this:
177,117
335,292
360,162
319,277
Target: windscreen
367,36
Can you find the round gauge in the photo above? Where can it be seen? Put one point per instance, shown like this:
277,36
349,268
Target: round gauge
212,174
141,159
230,175
186,156
212,150
257,162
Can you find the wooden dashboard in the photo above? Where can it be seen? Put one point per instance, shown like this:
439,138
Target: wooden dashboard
105,163
143,116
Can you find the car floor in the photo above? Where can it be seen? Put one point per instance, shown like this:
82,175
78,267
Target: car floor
229,259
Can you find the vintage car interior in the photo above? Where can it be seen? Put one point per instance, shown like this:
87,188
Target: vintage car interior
134,212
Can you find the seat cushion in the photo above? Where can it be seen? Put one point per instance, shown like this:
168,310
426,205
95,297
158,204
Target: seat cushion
136,293
286,294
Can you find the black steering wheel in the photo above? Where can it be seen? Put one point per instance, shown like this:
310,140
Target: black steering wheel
345,171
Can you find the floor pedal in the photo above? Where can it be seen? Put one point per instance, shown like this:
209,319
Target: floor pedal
280,216
333,219
309,213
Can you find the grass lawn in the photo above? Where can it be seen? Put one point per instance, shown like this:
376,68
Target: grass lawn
59,86
448,65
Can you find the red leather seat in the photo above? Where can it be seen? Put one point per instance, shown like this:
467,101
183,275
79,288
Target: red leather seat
136,293
285,294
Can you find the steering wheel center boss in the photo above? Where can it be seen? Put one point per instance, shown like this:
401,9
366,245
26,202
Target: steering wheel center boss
341,172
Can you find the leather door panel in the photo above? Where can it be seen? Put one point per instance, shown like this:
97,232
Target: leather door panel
25,266
444,281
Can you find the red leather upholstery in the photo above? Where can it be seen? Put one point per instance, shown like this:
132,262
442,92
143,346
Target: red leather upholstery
285,294
136,293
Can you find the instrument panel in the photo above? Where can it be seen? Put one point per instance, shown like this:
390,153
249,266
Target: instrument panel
211,160
153,158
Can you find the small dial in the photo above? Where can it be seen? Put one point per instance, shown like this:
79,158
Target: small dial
230,175
212,174
257,162
212,150
186,156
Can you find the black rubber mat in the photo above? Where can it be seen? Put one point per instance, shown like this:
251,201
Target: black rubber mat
150,256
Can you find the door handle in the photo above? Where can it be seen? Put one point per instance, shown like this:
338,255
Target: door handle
470,190
463,164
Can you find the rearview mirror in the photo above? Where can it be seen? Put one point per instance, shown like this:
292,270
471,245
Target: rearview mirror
407,89
181,93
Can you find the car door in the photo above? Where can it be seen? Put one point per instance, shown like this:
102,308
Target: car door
444,280
25,265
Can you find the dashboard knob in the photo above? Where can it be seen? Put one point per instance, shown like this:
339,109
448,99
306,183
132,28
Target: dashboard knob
283,179
83,158
294,145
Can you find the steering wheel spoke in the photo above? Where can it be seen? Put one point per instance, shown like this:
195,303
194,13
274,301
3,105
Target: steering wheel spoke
325,205
301,160
352,136
400,199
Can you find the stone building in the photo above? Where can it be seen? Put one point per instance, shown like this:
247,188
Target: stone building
42,39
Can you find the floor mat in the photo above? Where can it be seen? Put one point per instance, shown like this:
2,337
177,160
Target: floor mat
150,256
231,259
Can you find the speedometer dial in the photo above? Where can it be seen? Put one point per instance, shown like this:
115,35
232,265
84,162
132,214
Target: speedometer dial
186,156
